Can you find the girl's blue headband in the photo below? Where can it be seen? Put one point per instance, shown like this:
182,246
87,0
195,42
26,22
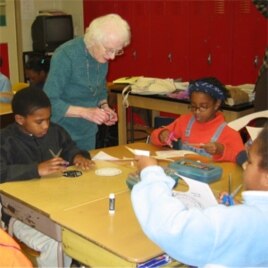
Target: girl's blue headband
205,87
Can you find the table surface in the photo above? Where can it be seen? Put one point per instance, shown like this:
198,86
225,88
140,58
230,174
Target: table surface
55,193
81,204
113,232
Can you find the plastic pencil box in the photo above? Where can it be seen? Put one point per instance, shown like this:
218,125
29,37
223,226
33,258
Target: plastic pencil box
197,170
134,178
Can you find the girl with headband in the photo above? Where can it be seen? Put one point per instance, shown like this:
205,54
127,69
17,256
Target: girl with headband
204,130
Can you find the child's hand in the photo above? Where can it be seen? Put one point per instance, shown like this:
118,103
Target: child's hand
213,148
53,165
145,161
225,199
167,137
82,162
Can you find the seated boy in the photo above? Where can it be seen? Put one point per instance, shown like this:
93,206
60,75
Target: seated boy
27,148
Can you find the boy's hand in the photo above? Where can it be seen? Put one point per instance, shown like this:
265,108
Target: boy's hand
82,162
53,165
213,148
145,161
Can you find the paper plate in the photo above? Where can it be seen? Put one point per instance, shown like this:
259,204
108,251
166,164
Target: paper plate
108,171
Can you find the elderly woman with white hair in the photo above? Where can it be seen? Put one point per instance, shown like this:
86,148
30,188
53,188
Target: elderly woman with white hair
76,84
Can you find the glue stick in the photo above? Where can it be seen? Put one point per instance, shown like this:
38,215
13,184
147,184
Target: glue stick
111,203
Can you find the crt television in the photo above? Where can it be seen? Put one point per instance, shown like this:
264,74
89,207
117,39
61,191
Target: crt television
50,31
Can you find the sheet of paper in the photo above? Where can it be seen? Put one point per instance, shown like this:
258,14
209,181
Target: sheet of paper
138,152
103,156
199,194
126,80
253,132
173,153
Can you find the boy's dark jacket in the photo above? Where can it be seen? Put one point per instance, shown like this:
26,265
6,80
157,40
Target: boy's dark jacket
21,153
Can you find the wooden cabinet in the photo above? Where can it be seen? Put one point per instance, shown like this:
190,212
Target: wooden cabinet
249,39
188,39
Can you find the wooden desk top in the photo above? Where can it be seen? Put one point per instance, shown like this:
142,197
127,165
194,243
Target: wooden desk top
5,108
56,193
113,232
119,233
85,199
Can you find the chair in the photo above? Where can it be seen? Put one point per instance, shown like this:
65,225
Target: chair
18,86
29,252
242,122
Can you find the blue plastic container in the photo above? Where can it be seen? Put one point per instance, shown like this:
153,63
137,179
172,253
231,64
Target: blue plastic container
197,170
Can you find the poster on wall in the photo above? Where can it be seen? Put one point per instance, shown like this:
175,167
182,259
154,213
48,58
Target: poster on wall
2,12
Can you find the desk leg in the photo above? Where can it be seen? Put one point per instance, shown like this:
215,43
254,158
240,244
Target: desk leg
122,121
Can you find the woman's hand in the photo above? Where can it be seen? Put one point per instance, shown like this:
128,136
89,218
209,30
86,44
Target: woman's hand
112,116
96,115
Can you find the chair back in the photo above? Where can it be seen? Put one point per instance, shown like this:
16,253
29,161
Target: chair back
242,122
18,86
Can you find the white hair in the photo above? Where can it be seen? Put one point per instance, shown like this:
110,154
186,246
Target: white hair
102,27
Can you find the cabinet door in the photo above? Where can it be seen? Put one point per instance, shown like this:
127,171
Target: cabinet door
169,37
220,42
135,60
249,42
210,39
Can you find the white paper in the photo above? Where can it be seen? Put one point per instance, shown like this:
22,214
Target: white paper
138,152
173,153
253,132
199,194
103,156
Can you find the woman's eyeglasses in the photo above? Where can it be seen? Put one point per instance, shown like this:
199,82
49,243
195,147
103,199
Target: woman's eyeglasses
111,51
201,109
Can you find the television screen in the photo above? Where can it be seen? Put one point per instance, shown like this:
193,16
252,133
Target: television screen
49,32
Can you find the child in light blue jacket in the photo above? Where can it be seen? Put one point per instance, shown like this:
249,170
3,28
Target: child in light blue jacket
233,236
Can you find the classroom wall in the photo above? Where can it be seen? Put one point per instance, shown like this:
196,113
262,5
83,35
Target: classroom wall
29,9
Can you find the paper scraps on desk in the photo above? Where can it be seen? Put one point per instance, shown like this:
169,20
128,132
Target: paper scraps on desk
138,152
104,156
108,171
199,194
174,153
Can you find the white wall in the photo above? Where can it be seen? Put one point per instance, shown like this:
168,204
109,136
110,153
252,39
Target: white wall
29,9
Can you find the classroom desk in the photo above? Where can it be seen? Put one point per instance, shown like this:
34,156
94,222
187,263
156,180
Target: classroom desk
34,201
164,104
99,239
6,115
44,204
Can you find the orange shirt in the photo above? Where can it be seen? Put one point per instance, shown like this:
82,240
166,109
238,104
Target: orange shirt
202,133
10,252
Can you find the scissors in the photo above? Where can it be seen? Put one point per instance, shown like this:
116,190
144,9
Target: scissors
55,155
228,199
171,138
